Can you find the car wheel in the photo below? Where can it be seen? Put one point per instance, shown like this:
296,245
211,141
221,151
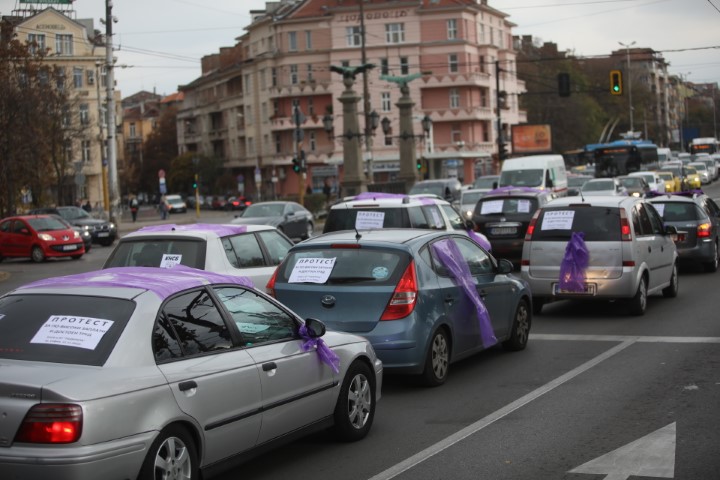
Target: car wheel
438,360
671,290
355,407
37,255
538,303
171,455
309,228
712,265
638,304
521,328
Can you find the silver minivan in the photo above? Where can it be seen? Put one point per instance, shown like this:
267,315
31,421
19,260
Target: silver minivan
631,253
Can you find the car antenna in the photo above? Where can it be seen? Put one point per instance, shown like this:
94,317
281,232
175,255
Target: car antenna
357,232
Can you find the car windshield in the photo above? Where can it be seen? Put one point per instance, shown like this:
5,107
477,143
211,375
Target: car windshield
577,181
72,213
674,170
432,188
486,182
698,166
353,266
521,178
596,186
157,251
74,329
260,210
649,178
631,182
677,211
665,175
599,224
46,224
506,206
471,197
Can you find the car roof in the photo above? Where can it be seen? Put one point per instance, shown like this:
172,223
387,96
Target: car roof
384,236
594,201
385,201
515,192
200,230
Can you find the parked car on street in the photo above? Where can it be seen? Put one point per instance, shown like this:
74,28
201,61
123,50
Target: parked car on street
176,203
631,254
503,216
252,251
102,231
39,237
697,219
147,373
291,218
424,299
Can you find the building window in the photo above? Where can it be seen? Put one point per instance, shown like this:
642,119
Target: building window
60,79
90,77
453,63
310,72
273,74
294,74
250,146
353,36
454,98
264,112
248,115
404,66
384,67
482,63
248,84
308,40
313,143
37,42
311,106
452,29
483,97
84,114
388,141
278,143
85,151
455,133
276,108
64,44
77,77
132,131
385,103
292,41
395,33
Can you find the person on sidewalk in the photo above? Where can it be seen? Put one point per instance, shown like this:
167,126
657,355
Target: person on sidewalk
164,208
133,206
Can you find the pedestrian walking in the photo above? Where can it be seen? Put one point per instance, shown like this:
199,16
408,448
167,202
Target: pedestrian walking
133,206
164,208
87,206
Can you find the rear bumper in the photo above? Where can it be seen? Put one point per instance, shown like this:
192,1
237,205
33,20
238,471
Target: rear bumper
509,249
624,286
399,345
703,251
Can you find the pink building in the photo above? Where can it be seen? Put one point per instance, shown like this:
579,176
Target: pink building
242,107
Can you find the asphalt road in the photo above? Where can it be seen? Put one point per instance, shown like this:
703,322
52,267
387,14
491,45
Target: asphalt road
596,395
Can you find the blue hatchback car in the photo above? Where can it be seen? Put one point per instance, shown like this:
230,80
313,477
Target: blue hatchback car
424,299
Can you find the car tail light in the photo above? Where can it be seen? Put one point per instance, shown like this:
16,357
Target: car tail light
51,423
628,263
625,234
531,227
703,230
270,287
345,245
524,263
404,297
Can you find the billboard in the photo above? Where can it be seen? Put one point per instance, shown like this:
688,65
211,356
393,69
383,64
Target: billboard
531,139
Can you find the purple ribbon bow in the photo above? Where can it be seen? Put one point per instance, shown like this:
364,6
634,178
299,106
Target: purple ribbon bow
480,239
326,354
449,255
574,263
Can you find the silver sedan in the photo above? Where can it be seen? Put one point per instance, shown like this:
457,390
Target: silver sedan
166,373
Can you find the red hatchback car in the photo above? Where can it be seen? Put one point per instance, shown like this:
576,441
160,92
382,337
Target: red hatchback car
38,237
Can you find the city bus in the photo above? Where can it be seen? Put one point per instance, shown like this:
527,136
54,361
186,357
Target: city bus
623,156
707,145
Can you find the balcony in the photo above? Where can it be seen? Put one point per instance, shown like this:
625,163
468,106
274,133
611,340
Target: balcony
302,88
473,79
461,114
279,123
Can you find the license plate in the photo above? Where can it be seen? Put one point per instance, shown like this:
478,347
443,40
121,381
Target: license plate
503,231
69,247
104,234
588,289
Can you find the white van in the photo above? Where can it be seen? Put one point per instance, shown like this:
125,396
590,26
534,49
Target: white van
544,172
664,155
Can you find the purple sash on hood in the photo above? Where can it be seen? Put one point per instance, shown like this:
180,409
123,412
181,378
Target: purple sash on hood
574,263
449,255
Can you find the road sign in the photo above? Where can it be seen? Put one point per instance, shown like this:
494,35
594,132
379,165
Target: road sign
258,177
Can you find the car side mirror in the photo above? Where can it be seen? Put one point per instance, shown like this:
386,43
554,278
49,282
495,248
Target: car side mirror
505,266
670,230
315,328
470,225
495,185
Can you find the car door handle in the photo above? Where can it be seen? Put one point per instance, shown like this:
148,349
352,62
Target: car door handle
269,366
649,249
185,386
482,294
449,299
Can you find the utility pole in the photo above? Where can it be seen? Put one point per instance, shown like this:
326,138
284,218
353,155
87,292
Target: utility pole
112,128
500,139
299,135
629,83
366,96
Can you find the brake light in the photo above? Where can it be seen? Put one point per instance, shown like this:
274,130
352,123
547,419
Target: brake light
344,245
404,297
625,232
270,286
531,227
51,423
703,230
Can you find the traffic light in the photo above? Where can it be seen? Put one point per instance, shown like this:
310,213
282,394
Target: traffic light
616,82
563,84
418,164
503,151
195,182
296,165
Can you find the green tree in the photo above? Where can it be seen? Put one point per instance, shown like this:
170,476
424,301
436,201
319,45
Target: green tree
159,150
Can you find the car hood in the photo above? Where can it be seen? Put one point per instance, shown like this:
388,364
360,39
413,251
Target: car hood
90,222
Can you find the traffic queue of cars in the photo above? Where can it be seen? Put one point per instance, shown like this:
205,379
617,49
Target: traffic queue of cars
182,316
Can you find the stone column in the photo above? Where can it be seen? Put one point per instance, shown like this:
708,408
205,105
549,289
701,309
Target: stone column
408,156
354,177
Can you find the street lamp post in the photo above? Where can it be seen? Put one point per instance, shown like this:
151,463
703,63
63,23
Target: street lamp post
629,83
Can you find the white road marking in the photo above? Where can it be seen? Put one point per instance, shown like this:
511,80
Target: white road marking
622,338
650,456
448,442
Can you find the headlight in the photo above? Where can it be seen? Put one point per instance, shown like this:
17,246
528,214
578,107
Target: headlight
468,213
86,228
46,237
112,226
636,194
76,234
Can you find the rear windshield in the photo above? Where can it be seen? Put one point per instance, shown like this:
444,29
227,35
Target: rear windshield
506,206
577,181
152,252
678,212
599,185
522,178
72,329
600,224
427,216
352,266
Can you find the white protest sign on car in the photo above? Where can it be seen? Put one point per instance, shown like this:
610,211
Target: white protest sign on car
312,270
369,220
558,220
71,331
169,260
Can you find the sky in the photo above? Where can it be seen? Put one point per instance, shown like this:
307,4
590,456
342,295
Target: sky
159,43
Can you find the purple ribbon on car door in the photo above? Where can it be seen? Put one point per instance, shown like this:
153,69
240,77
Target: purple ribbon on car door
326,354
574,264
449,255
